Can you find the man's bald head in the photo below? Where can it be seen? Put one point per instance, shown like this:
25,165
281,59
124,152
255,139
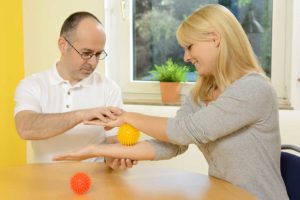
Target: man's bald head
71,23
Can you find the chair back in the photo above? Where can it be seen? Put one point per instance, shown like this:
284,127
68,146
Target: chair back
290,171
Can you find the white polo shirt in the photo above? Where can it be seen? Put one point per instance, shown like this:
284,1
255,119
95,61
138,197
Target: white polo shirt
47,92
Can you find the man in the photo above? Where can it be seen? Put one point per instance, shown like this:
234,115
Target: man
51,106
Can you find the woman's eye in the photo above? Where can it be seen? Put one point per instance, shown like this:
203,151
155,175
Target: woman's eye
189,47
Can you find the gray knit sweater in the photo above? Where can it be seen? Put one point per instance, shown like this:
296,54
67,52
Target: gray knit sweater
238,134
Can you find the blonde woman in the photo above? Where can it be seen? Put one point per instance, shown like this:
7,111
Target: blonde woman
231,114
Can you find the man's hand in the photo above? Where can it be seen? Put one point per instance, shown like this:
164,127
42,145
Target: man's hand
116,163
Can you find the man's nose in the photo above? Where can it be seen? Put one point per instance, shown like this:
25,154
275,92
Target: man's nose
93,60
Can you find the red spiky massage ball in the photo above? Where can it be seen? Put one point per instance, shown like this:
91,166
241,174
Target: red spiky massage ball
80,183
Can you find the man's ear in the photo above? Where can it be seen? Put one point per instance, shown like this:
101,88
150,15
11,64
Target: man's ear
62,44
216,38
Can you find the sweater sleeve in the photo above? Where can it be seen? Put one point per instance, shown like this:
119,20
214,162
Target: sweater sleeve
187,107
245,102
164,150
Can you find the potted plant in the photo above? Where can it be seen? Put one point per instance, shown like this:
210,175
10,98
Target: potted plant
169,75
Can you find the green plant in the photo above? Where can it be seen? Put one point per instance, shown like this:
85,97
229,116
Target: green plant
169,72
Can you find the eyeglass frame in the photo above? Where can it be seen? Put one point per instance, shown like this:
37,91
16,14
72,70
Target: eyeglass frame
90,55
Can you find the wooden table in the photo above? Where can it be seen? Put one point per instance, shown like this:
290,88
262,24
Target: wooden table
143,182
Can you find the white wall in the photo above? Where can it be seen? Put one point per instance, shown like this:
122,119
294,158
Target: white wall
294,56
42,21
290,126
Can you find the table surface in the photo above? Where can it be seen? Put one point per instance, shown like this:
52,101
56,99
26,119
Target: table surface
142,182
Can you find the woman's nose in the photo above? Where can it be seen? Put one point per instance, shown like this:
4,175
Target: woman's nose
187,56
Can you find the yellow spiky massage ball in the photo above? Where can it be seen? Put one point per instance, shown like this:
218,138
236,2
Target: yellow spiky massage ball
128,135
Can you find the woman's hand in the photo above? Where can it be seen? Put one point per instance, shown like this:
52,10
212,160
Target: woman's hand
108,124
92,151
102,114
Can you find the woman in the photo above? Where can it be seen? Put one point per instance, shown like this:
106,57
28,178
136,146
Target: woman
231,114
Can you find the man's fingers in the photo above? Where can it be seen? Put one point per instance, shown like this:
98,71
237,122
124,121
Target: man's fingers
101,117
107,114
135,162
115,164
116,111
107,128
123,164
95,122
129,163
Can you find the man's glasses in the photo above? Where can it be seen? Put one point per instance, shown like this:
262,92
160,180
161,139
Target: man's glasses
88,55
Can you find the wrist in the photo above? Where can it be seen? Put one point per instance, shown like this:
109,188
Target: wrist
96,150
125,117
79,115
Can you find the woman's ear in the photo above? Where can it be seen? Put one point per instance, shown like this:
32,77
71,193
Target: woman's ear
216,38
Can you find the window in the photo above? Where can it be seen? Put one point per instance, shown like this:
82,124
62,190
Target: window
142,34
154,39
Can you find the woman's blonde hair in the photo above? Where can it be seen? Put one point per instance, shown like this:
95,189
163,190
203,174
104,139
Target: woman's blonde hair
236,57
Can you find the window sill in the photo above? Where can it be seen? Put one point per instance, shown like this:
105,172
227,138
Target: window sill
283,104
149,102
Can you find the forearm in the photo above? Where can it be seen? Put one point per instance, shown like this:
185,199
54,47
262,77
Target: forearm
140,151
155,127
36,126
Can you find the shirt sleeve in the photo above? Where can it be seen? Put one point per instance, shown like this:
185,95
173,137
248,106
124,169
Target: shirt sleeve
244,103
27,96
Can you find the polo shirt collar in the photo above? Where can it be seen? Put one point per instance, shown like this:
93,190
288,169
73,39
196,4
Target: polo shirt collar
56,79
